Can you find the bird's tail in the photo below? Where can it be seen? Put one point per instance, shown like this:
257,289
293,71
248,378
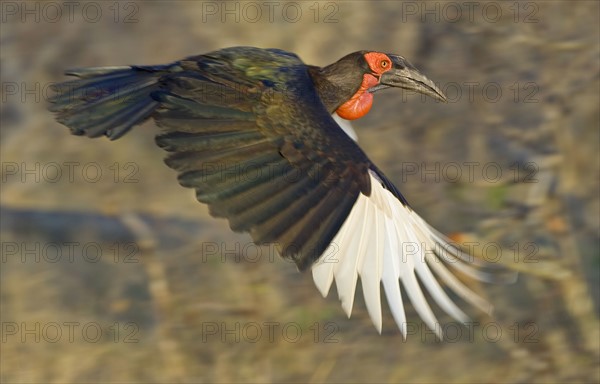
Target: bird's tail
107,100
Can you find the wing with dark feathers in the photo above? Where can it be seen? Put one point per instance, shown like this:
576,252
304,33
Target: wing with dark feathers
247,131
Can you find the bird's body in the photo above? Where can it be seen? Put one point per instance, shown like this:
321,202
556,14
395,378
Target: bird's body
251,130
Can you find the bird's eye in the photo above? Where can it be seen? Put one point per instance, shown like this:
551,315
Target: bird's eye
384,64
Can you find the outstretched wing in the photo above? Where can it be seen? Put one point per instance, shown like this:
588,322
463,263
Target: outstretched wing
247,131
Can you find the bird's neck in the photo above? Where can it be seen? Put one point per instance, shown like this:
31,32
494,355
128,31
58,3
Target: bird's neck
333,86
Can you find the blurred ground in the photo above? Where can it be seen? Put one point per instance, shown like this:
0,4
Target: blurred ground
111,272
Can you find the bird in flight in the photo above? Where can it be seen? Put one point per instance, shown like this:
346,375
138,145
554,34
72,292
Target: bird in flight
263,139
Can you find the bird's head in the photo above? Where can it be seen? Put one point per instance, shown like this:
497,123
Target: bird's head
347,86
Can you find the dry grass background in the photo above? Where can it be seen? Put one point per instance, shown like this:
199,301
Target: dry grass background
176,289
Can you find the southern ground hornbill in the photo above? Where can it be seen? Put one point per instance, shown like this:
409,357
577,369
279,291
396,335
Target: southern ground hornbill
255,133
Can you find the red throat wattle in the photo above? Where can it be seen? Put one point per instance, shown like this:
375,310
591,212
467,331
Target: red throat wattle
361,102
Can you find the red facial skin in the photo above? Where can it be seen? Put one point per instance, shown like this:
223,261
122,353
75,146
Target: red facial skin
360,104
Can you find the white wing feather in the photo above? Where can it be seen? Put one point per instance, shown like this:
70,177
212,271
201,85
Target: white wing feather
383,241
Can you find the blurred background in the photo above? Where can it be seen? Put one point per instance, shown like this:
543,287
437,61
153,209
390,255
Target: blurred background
112,272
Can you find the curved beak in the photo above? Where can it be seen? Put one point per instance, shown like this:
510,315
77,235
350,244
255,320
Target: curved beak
404,75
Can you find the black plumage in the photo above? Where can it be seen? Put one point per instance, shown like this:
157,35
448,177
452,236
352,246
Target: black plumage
249,129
